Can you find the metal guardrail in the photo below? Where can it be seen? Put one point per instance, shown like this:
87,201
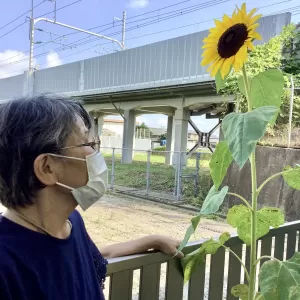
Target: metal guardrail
213,280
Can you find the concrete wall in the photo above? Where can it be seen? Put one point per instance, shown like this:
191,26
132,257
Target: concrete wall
276,193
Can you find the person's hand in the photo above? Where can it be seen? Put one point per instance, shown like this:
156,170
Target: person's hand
167,246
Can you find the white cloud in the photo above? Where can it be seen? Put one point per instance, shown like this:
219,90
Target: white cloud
53,60
138,3
13,63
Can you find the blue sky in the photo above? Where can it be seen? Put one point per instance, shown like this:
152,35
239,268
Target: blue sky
91,13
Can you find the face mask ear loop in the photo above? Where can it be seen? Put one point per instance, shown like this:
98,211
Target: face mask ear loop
63,156
65,186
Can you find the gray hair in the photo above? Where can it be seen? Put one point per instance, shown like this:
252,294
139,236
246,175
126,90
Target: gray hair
30,127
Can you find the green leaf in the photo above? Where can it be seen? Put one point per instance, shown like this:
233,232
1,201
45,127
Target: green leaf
194,224
259,296
224,237
241,291
242,131
241,85
213,200
235,213
192,261
220,162
266,88
273,215
219,81
280,280
239,216
244,227
292,178
211,246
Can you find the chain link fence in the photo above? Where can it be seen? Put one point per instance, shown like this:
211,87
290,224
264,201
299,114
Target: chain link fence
185,177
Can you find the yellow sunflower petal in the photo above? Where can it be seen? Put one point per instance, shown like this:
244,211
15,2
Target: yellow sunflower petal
217,67
252,12
209,40
256,36
243,8
227,20
250,45
241,56
211,56
219,24
236,65
209,45
209,52
254,19
216,33
253,26
226,66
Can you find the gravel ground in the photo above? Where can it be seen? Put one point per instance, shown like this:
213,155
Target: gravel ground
118,218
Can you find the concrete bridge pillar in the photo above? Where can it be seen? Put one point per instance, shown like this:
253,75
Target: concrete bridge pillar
170,140
128,136
100,125
181,120
98,118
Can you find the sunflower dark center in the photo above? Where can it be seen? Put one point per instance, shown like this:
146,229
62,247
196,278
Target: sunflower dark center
232,40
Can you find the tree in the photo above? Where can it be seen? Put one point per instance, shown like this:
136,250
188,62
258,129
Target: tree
142,126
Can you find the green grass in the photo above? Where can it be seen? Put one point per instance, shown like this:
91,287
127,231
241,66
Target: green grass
162,177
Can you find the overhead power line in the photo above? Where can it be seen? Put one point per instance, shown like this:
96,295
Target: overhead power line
15,28
180,13
22,15
135,27
177,13
60,8
25,52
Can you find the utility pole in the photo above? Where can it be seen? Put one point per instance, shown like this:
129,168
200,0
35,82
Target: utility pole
291,112
123,29
34,21
31,38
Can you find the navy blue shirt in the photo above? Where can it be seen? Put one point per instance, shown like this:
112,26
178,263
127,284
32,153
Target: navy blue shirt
34,266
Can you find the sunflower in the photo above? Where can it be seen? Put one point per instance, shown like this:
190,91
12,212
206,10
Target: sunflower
227,44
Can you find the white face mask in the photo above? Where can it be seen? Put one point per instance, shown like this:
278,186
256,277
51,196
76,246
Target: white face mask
96,186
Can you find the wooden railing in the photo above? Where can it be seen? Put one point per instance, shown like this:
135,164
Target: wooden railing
156,276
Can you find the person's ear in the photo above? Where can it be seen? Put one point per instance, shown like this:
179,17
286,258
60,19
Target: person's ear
45,169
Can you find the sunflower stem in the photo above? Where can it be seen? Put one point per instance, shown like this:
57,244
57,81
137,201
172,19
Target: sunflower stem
253,251
247,87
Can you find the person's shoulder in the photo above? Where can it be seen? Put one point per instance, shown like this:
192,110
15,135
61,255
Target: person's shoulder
6,261
76,218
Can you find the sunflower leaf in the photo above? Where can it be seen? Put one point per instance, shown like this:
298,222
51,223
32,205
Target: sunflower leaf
273,215
190,231
213,200
279,280
241,85
266,88
242,131
192,261
221,160
240,291
292,178
239,216
219,81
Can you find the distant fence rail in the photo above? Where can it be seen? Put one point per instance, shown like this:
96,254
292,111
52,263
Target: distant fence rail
149,174
158,277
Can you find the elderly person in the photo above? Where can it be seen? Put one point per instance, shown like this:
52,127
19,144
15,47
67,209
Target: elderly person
49,164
